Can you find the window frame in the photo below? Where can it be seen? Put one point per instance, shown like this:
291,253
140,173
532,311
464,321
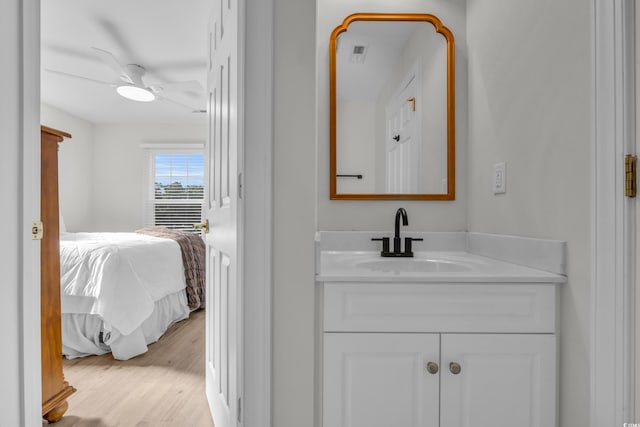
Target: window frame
149,200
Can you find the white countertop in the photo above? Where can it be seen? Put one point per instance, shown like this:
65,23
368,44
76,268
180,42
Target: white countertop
427,266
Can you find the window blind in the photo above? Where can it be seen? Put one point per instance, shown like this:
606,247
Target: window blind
177,195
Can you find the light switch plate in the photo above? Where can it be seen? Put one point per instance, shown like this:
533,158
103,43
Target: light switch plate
500,178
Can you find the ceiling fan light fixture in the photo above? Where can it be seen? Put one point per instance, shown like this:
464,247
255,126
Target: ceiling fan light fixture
135,93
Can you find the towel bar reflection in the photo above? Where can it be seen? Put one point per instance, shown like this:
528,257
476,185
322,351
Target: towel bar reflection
358,176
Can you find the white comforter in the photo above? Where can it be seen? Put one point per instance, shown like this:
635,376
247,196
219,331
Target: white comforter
118,276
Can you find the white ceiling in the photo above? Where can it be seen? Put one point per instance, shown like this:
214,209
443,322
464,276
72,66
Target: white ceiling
167,37
385,41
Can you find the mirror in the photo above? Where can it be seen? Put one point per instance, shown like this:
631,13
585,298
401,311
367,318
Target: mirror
392,130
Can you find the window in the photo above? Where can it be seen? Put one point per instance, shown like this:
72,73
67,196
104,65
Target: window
176,188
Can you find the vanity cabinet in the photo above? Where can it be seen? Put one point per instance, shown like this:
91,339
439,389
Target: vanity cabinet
504,380
439,355
380,380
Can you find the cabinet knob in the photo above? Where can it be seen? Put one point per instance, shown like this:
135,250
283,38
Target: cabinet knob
455,368
432,367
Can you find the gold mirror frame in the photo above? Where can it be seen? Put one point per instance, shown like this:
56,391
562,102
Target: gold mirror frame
448,35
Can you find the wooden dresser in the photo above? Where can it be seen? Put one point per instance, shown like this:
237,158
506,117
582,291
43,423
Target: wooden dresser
55,390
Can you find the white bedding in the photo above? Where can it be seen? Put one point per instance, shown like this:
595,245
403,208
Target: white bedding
86,334
119,277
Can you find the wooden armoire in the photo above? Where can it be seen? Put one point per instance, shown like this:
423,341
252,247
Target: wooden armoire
55,390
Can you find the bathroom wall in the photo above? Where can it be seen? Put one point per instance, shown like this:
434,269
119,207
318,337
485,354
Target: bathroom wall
294,213
530,105
376,215
75,164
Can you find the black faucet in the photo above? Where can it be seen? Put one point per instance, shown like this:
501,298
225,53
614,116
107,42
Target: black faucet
401,214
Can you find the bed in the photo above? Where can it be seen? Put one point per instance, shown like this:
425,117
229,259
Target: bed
121,291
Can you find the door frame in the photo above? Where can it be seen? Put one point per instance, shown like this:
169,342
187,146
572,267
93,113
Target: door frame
258,128
612,330
30,341
258,209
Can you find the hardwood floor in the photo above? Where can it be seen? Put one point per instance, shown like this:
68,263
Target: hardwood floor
161,388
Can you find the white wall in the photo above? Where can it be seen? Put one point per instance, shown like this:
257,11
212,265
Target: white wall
11,214
356,124
75,167
102,169
529,105
377,215
294,222
119,170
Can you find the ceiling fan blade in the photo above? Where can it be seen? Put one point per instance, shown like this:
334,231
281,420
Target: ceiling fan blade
62,73
183,65
173,101
78,53
111,61
113,31
188,86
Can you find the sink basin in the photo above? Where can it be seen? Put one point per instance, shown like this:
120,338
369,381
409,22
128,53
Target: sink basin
413,265
425,265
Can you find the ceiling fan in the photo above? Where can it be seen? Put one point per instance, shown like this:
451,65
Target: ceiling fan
129,82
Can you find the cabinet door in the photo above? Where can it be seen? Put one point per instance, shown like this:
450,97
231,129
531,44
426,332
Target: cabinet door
380,380
504,380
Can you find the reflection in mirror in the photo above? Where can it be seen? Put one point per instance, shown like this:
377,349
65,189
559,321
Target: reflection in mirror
392,134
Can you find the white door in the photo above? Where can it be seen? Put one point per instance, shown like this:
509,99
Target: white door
380,380
503,380
402,145
224,251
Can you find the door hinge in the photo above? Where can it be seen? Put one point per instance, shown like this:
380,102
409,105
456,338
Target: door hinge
37,230
630,181
239,409
240,185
